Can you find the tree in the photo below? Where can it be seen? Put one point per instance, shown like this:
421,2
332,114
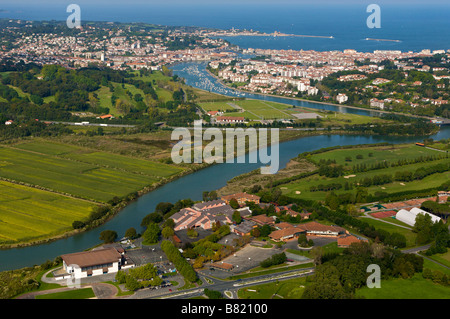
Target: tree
237,217
108,236
131,233
192,233
151,234
213,294
302,240
78,224
317,254
167,232
234,203
132,284
121,277
325,284
423,228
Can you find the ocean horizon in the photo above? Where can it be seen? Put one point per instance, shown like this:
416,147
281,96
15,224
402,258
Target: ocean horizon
415,26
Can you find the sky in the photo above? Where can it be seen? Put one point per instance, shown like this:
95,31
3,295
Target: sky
229,2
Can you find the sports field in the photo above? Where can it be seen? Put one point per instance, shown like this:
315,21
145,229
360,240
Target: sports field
368,156
252,109
372,155
26,212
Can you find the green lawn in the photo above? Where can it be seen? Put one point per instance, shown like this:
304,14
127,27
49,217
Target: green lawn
285,289
442,258
414,288
390,153
303,185
253,109
83,293
410,236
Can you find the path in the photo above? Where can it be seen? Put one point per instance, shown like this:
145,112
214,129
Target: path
367,215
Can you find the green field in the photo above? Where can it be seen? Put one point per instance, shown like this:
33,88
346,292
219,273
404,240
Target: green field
409,235
253,109
414,288
84,173
391,154
27,212
285,289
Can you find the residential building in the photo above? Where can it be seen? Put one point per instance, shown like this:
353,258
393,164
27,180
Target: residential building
241,198
341,98
230,119
377,103
203,215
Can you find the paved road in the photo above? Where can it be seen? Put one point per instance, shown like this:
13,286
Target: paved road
367,215
233,285
91,124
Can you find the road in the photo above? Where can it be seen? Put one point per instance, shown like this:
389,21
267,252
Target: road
231,285
91,124
367,215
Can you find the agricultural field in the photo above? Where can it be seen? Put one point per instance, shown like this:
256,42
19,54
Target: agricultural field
27,212
101,158
84,173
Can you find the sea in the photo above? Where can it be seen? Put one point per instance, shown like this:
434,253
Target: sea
415,25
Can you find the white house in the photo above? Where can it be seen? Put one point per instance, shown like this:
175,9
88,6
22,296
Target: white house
341,98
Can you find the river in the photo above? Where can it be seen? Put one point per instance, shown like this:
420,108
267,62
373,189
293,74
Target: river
189,186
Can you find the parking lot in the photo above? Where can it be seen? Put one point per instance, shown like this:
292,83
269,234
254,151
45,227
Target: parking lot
249,257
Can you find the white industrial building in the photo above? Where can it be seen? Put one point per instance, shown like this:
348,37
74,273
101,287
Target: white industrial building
409,217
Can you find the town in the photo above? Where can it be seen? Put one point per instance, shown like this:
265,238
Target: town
320,222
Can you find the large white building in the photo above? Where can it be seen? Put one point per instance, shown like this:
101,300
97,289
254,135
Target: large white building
92,263
409,217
